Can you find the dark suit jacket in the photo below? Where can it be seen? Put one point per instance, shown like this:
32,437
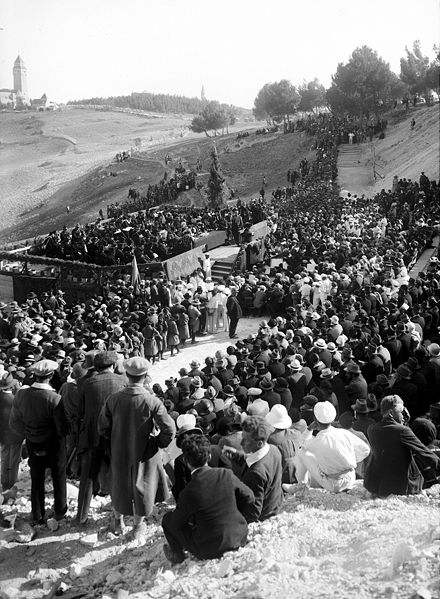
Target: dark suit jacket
264,478
391,447
210,510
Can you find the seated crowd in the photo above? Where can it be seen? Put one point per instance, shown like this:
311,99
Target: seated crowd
153,236
339,383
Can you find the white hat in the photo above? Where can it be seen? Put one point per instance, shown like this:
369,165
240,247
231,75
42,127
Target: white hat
325,412
186,420
433,349
320,344
278,417
334,319
295,365
254,391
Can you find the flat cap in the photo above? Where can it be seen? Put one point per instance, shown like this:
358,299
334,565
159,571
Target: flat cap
104,359
137,366
43,367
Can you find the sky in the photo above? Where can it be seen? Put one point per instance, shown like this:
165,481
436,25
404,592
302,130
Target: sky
75,49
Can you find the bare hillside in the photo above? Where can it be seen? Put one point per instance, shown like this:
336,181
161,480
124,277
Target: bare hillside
40,152
405,152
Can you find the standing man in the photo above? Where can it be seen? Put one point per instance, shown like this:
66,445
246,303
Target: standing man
10,443
234,312
128,419
38,415
93,393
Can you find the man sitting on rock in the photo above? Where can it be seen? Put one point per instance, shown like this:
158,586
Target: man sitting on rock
209,518
329,460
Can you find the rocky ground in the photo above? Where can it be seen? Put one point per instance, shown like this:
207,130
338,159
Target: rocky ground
320,545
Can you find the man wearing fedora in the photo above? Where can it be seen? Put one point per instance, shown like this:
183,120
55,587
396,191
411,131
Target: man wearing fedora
234,312
128,418
269,395
407,390
329,460
210,515
356,386
10,442
362,420
38,415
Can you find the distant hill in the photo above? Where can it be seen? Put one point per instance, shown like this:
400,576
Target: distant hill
164,103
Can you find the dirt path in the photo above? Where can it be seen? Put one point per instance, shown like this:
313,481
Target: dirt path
354,171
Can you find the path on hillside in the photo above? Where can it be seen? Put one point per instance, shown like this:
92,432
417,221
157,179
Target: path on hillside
423,261
354,173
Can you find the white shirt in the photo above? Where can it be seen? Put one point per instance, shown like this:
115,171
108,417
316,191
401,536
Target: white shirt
256,456
336,450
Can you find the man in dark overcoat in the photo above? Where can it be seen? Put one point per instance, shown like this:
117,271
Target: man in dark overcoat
93,393
392,444
38,415
209,518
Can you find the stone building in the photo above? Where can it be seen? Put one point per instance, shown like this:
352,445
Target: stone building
18,96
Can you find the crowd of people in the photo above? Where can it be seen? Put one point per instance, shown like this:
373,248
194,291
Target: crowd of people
151,236
164,192
340,383
346,129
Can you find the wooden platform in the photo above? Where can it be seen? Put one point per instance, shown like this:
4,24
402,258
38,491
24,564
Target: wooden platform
224,253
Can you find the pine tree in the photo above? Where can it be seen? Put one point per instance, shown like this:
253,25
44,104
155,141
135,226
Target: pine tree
217,188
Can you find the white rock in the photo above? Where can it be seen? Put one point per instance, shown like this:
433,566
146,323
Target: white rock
72,491
52,524
113,578
122,594
75,571
89,540
224,568
402,553
9,592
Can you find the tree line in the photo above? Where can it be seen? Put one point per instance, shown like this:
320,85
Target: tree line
163,103
364,85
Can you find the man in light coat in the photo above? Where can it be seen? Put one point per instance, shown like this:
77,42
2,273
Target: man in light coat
129,419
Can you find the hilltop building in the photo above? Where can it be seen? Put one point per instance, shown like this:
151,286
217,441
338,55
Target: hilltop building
17,97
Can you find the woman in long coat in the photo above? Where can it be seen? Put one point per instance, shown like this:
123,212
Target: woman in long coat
161,338
150,343
173,338
183,326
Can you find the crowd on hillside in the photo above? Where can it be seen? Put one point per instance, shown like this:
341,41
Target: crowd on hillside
347,129
164,192
338,384
151,236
